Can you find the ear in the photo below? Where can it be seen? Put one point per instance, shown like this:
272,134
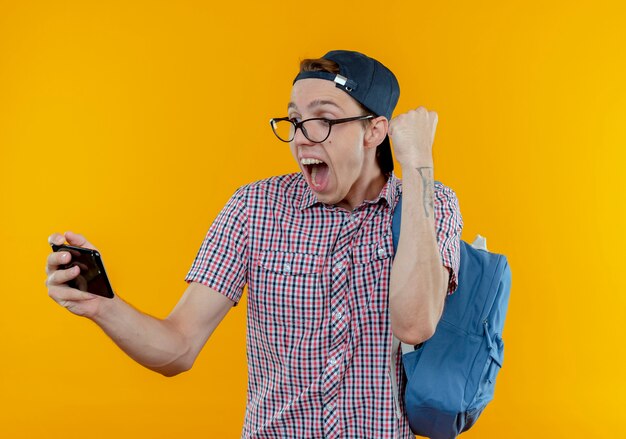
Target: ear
376,132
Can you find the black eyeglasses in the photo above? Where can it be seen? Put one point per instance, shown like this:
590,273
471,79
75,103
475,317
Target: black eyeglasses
316,129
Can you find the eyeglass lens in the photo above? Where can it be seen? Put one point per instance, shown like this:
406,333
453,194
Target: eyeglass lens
314,130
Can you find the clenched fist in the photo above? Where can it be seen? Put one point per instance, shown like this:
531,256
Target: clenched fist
412,134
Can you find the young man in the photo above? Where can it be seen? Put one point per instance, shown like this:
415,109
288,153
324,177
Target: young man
315,250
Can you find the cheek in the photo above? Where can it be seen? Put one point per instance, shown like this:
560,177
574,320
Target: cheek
347,164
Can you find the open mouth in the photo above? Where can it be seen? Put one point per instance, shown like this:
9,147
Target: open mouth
316,172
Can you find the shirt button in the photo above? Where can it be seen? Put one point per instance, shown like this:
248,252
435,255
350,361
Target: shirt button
287,268
381,252
339,265
332,361
338,315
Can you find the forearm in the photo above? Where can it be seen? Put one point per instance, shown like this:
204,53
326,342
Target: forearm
154,343
418,278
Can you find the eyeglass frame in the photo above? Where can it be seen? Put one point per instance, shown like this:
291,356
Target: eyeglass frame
330,123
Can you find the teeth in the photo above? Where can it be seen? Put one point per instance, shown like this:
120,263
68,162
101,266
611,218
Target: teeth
307,161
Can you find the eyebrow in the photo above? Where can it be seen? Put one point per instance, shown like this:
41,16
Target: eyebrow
315,103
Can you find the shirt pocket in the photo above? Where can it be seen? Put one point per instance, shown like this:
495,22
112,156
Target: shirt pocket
372,267
289,288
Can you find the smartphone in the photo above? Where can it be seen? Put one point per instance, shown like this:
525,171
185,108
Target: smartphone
92,278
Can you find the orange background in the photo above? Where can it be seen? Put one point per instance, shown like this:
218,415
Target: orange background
133,123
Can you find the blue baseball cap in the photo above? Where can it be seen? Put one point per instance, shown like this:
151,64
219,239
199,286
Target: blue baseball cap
370,83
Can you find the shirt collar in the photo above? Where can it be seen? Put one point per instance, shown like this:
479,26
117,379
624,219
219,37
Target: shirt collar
308,197
389,193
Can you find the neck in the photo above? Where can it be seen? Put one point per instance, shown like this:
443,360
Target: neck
367,187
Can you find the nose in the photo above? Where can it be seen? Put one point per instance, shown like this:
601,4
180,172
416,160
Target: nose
299,139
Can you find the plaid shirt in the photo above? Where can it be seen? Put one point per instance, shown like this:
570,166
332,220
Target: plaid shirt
319,336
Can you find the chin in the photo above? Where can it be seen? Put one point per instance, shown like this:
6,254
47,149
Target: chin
324,197
329,198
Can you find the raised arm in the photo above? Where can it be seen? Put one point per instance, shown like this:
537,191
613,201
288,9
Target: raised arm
419,279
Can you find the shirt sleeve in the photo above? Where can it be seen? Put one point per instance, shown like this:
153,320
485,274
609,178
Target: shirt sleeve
222,261
449,224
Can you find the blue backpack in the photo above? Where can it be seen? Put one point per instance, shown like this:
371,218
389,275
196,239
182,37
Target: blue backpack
451,376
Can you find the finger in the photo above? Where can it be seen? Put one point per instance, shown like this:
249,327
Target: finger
83,266
60,277
392,125
78,240
435,118
56,238
55,259
64,294
77,308
73,307
81,283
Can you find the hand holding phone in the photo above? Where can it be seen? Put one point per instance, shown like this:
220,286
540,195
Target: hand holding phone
92,277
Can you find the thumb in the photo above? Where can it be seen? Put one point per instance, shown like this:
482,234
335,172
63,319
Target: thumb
78,240
392,124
